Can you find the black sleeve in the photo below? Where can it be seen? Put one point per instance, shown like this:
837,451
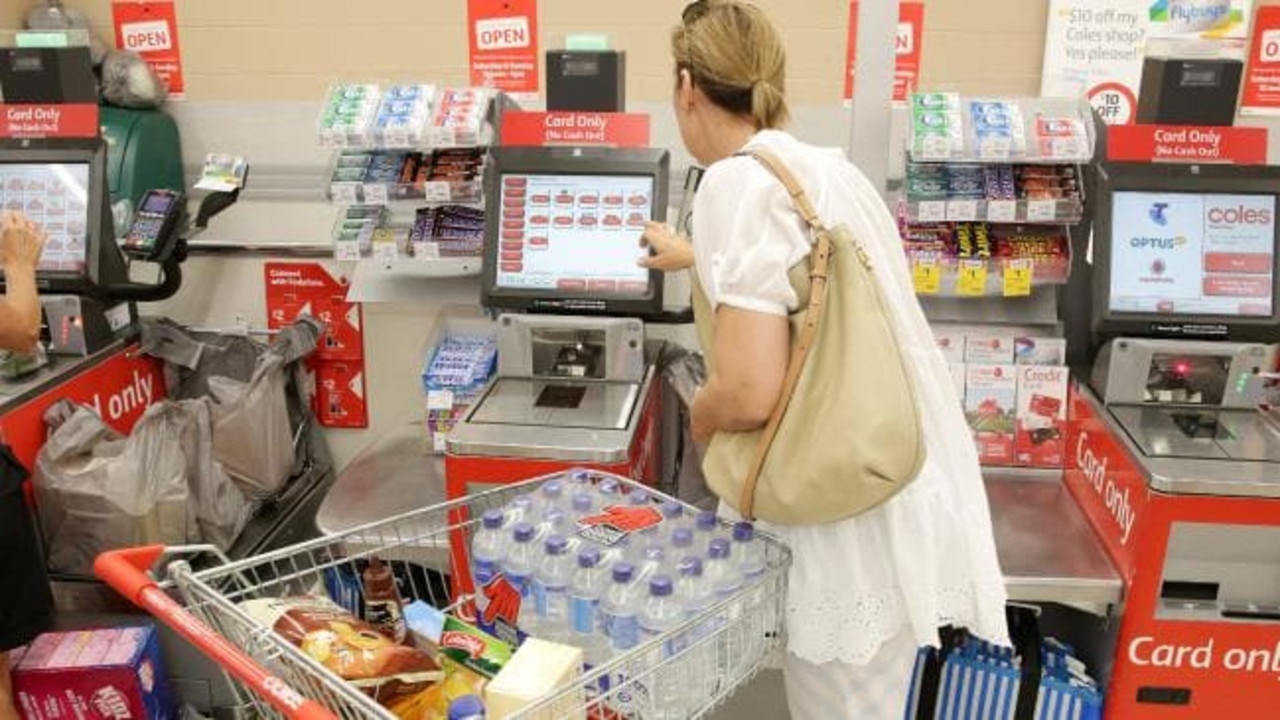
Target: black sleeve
26,603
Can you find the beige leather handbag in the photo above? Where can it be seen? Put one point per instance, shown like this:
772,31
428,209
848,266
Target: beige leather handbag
846,434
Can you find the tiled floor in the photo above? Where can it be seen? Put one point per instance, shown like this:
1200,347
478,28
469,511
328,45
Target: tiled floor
761,699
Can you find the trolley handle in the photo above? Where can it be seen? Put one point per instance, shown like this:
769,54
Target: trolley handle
127,571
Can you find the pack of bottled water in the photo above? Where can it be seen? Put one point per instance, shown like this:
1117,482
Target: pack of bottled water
607,567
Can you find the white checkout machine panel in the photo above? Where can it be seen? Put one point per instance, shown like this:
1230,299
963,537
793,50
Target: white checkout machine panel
561,248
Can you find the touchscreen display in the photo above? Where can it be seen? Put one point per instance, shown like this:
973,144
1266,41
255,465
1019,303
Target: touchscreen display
56,197
1193,254
574,233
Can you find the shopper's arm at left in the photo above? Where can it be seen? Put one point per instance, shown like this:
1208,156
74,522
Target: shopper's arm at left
750,363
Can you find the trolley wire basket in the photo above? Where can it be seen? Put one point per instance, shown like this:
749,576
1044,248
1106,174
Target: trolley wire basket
684,672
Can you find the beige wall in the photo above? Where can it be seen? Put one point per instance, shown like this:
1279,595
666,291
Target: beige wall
291,49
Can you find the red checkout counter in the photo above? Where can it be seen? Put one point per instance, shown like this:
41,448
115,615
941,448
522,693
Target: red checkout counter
1169,455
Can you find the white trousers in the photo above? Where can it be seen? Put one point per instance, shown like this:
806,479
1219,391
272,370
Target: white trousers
840,691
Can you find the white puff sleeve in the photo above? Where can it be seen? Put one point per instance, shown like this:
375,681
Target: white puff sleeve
746,236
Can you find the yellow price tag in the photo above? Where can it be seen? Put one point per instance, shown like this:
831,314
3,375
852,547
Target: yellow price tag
1017,278
927,277
971,280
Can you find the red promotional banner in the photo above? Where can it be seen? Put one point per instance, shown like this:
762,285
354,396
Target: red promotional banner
1261,92
120,387
910,36
79,120
575,128
1187,143
295,289
150,28
503,40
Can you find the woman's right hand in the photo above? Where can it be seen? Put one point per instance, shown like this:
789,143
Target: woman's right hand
21,242
670,251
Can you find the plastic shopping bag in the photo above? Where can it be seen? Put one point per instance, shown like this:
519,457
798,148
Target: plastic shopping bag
222,510
98,491
252,436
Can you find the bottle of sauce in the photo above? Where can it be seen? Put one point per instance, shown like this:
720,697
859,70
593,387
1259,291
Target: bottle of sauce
382,602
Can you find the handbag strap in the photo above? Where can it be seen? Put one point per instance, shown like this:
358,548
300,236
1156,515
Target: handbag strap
819,263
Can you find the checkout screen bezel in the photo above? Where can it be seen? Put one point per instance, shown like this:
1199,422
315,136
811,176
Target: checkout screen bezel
1170,179
571,162
92,152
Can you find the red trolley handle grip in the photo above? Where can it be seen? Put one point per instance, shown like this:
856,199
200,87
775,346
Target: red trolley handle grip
126,571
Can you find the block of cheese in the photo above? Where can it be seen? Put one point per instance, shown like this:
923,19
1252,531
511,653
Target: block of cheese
538,669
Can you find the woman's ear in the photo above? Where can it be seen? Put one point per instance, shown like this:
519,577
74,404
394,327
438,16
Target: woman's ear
684,89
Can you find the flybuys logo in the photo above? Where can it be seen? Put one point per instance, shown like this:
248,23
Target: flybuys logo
1157,243
1199,14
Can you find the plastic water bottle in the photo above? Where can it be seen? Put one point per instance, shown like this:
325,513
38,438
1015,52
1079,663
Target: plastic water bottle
550,590
467,707
488,551
520,510
582,505
552,495
665,696
707,528
521,562
673,515
720,571
620,621
553,522
587,586
696,597
607,490
638,498
724,579
651,564
749,559
681,543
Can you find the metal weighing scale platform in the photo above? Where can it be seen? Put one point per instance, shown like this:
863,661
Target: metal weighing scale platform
569,391
1190,409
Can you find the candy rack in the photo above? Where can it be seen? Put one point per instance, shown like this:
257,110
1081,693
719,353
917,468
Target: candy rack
991,190
407,176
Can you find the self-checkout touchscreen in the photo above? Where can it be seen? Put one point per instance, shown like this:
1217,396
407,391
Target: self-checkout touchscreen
55,197
1193,254
574,233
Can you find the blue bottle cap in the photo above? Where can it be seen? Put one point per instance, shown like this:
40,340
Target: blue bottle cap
589,558
557,544
552,490
660,586
467,707
623,572
638,497
744,532
672,510
608,486
691,566
523,532
706,520
682,538
582,503
524,502
493,520
718,549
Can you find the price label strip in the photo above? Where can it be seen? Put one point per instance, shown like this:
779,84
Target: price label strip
1042,211
1018,275
1002,211
926,276
931,211
962,211
971,278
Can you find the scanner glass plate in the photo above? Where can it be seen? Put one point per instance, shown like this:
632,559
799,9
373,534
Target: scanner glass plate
1200,434
558,403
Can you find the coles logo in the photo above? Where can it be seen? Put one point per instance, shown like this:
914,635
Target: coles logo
1155,243
1239,215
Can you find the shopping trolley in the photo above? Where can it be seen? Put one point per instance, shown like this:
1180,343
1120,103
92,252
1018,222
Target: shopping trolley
712,654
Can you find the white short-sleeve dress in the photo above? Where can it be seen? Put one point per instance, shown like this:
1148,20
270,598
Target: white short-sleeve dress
864,592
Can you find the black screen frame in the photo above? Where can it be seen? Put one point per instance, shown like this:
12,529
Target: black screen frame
629,162
1178,179
104,261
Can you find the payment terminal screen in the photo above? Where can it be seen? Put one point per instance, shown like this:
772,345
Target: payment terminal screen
574,233
56,197
1193,254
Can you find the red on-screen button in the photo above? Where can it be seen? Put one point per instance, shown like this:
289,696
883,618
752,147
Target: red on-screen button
632,286
512,224
512,245
511,267
538,241
512,234
602,285
513,213
1237,286
572,285
1221,262
515,182
512,256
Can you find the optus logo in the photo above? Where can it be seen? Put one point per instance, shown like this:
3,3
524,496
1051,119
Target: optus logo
1155,243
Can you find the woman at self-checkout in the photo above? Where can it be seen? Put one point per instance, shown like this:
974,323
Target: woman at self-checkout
26,606
866,592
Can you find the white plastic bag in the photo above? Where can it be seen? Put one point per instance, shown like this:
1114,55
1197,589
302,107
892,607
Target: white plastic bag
222,510
252,436
98,491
